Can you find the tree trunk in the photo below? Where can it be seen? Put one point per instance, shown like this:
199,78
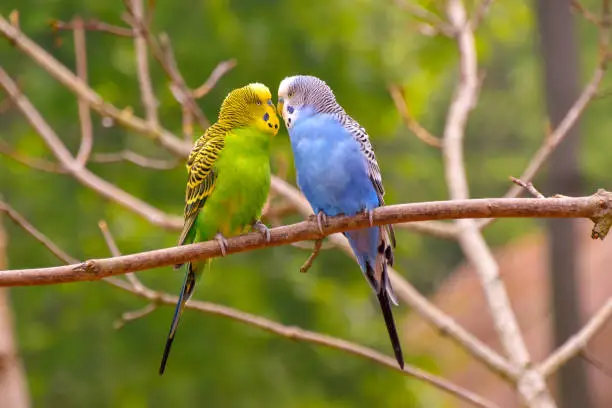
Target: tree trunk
13,385
561,76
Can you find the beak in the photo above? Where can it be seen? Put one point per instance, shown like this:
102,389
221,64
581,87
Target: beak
279,106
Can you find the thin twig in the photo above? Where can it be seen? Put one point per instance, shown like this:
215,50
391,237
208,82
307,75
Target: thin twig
134,315
80,51
411,123
39,236
220,70
315,252
179,89
527,186
142,62
578,342
135,158
94,25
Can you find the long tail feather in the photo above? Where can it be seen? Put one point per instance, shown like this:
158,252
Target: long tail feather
385,305
186,292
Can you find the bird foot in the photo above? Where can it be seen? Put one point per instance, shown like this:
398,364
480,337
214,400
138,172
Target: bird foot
321,219
222,243
262,228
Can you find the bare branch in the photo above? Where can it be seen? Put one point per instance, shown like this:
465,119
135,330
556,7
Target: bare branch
39,236
135,158
174,145
578,342
597,205
531,385
298,334
220,70
416,128
527,186
82,174
94,25
134,315
179,89
315,252
80,50
142,62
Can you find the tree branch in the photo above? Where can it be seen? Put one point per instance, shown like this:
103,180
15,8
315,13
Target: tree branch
578,342
595,206
142,62
80,51
39,236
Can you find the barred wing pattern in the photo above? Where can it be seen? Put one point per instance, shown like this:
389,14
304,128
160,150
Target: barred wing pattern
201,176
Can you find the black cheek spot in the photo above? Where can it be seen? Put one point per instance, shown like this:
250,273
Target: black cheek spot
266,117
269,125
276,126
289,121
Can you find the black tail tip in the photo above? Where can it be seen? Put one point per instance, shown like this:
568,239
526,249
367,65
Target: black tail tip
400,359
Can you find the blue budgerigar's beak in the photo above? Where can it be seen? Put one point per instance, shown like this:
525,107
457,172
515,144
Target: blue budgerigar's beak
280,105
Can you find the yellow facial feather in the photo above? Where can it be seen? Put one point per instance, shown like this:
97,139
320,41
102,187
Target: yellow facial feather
250,105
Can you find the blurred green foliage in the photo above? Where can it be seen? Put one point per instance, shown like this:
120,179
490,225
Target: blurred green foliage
73,356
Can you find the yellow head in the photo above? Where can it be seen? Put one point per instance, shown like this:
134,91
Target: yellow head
250,105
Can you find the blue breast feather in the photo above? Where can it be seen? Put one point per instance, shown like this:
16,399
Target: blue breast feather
332,174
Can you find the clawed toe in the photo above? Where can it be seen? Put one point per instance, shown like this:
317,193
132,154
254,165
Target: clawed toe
261,227
222,243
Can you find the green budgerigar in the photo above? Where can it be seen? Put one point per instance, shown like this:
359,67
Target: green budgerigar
228,181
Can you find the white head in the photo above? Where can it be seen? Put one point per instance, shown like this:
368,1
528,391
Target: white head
300,91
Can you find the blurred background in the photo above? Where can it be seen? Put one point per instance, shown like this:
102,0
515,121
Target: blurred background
536,57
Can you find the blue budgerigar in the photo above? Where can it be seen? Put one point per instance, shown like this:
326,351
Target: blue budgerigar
338,173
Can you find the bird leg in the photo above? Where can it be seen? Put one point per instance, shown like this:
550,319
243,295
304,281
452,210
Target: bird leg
321,218
222,243
262,228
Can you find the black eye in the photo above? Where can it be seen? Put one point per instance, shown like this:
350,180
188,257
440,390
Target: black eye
258,102
290,94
